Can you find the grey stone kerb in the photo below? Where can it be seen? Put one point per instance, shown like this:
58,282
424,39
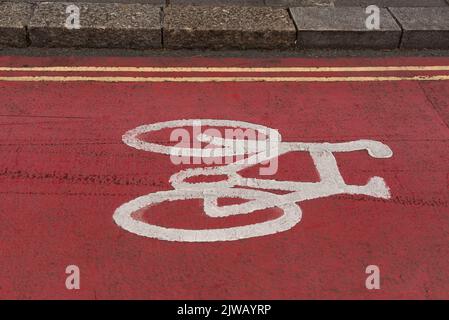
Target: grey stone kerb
267,25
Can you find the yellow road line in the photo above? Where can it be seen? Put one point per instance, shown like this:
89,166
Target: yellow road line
224,69
220,79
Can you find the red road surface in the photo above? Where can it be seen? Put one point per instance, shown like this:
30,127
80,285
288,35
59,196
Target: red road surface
64,170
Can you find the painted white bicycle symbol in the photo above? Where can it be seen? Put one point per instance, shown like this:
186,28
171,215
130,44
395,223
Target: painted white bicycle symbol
235,186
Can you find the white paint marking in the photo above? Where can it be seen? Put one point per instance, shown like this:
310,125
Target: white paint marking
331,183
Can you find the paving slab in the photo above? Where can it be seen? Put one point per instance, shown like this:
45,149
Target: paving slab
423,27
343,28
14,18
155,2
391,3
218,3
101,26
299,3
228,28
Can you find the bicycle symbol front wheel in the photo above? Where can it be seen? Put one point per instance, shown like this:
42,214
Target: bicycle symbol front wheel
123,217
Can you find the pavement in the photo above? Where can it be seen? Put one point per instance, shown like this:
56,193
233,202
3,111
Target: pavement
293,25
86,180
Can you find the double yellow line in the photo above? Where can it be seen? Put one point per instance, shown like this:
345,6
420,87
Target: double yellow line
248,70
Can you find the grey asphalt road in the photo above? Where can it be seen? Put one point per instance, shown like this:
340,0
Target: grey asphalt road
246,54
